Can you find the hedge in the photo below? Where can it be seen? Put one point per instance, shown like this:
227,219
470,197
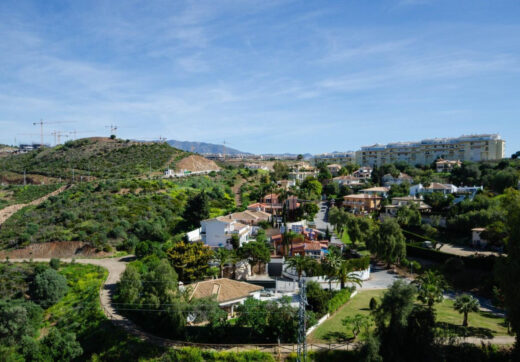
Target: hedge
360,263
338,300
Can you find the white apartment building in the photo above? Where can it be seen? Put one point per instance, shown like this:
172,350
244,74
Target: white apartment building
482,147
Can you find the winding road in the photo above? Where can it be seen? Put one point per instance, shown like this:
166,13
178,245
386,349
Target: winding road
380,279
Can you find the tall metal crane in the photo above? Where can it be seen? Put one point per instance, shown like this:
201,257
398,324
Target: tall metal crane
41,123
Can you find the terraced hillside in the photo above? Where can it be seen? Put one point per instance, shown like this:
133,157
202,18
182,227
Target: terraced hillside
97,157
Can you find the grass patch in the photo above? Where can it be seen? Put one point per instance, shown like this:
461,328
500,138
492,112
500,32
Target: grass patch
481,324
332,330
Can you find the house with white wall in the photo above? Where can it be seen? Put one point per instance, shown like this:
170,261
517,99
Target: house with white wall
217,232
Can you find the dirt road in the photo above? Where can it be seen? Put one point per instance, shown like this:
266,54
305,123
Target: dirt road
9,211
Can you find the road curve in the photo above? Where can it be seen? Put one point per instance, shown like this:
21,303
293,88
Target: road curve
116,267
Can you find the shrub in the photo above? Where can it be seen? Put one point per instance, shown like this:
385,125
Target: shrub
373,303
55,263
338,300
48,287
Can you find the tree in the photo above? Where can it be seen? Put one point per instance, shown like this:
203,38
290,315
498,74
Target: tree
431,286
281,171
18,320
408,216
221,256
388,242
391,319
466,304
196,210
317,297
345,275
310,209
48,287
333,262
399,190
357,323
397,303
190,260
270,320
130,286
438,201
299,264
311,188
61,346
468,174
508,270
255,252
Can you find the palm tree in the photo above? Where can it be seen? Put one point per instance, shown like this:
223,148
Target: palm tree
465,303
221,256
345,275
234,258
431,287
299,264
333,261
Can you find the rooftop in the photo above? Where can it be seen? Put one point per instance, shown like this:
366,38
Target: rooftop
224,289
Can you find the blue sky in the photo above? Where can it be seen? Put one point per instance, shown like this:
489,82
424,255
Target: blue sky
266,76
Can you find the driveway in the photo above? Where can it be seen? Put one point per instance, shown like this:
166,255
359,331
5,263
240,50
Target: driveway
381,278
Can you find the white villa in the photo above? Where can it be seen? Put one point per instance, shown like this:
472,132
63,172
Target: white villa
217,232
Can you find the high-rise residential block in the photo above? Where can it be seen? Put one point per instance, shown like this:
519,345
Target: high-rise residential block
483,147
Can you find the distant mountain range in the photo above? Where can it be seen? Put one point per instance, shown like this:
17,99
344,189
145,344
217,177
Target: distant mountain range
203,147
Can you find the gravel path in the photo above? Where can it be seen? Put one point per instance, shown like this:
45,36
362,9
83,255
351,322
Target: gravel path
9,211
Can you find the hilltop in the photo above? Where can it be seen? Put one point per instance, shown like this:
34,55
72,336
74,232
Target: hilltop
203,147
97,157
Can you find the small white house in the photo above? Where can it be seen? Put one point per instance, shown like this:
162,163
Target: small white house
217,232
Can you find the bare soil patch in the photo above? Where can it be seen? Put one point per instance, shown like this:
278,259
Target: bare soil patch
196,163
58,249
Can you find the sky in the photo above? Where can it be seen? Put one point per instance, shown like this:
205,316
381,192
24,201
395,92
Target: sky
265,76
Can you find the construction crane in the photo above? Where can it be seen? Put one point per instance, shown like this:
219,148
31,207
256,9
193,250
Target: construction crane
41,123
57,136
113,129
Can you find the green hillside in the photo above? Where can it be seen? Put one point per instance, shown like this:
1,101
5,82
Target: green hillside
117,213
98,157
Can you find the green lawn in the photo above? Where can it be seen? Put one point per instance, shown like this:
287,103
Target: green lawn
481,324
361,248
332,330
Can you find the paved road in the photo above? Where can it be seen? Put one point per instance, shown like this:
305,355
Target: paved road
321,220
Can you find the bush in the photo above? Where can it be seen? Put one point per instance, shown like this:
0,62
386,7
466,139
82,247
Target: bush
338,300
55,263
318,298
48,287
373,303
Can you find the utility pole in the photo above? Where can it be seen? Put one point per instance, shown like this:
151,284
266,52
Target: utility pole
302,328
24,178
